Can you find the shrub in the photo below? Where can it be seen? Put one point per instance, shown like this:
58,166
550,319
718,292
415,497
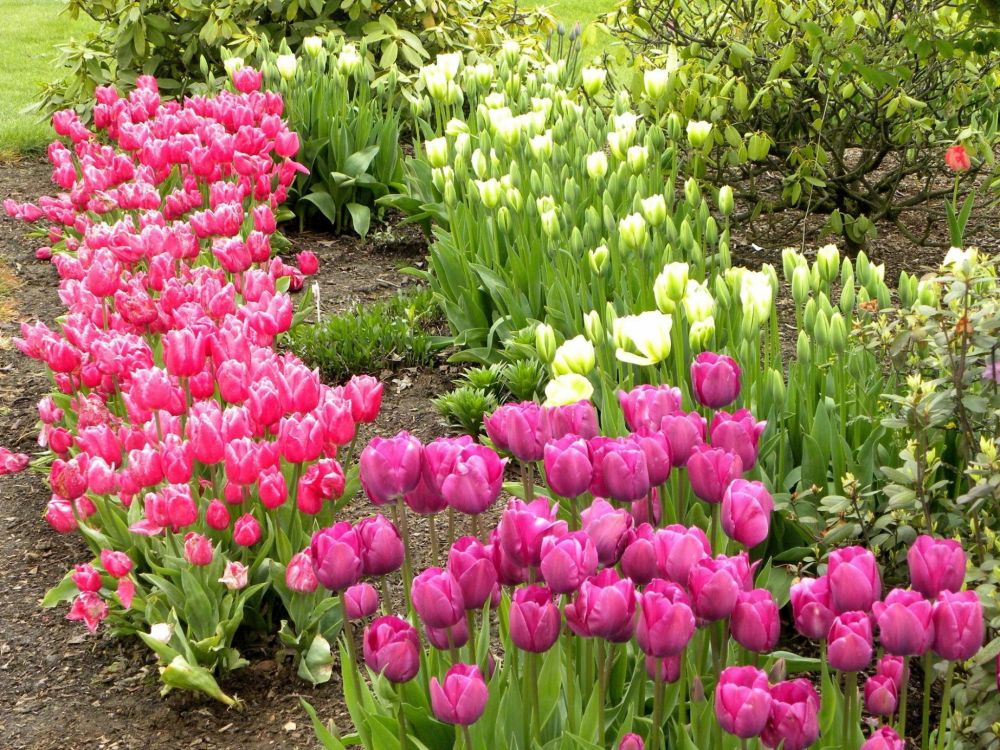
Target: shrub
838,106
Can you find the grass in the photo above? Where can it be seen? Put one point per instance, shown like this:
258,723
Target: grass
31,31
585,12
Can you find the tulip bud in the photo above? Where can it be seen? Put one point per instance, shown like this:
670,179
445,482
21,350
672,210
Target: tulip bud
599,258
636,158
632,230
593,327
286,65
575,355
545,342
698,132
742,701
828,262
726,200
597,165
461,697
437,151
850,642
593,80
489,192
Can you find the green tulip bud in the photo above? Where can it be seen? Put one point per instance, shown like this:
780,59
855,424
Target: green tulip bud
848,297
774,388
437,151
701,335
803,349
654,209
928,292
541,145
790,260
670,286
312,45
504,218
483,73
654,83
349,61
809,315
675,126
286,65
821,330
711,231
593,80
636,158
441,176
838,333
698,301
726,200
575,355
489,192
480,166
545,342
632,230
592,327
686,235
823,303
692,193
828,261
232,64
514,199
599,257
597,165
698,132
550,223
800,285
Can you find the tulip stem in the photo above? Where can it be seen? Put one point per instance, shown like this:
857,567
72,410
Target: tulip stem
602,686
404,529
905,688
569,652
432,524
451,526
466,737
536,718
657,738
470,621
714,528
925,719
527,482
945,705
351,654
402,718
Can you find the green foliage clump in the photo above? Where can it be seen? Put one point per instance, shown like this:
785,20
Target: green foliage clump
391,333
481,389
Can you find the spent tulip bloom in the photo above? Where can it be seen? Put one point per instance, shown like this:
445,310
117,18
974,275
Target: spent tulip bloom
936,565
392,648
716,379
336,556
604,607
567,561
794,720
390,467
461,697
742,701
755,624
437,598
905,623
746,512
958,625
535,621
711,470
812,610
850,642
854,579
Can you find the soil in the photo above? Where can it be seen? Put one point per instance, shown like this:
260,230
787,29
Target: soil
61,688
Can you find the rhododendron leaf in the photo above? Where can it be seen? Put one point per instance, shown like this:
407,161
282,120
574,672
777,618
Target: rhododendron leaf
323,734
325,203
316,664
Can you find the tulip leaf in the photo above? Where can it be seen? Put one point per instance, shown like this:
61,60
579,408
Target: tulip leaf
361,217
550,683
384,732
63,591
316,664
181,674
324,735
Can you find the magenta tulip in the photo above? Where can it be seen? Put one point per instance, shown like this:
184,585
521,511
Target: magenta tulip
198,549
631,741
742,701
683,432
666,622
517,429
524,526
392,648
854,579
893,668
811,607
645,406
716,379
567,561
534,619
381,546
360,600
607,528
461,698
568,470
738,432
639,558
437,598
850,642
336,556
445,639
794,720
958,625
936,565
711,470
905,623
473,484
620,469
678,548
390,467
470,562
365,396
715,585
604,607
116,564
87,577
884,738
668,669
246,530
880,695
658,459
755,624
746,512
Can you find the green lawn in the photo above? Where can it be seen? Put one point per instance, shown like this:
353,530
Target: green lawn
584,11
30,32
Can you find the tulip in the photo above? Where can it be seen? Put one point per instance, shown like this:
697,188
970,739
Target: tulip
198,549
576,355
711,470
116,564
184,352
678,548
474,482
647,334
656,448
299,574
742,701
854,579
957,158
884,738
365,395
850,642
90,608
738,432
683,433
534,619
891,667
698,132
578,419
437,598
755,624
568,470
566,390
794,720
461,698
716,379
620,469
360,601
567,561
645,406
234,576
246,531
811,607
87,578
217,515
524,526
958,625
666,622
669,668
905,623
715,584
746,512
336,556
604,607
470,563
390,467
607,528
516,428
381,546
392,648
936,565
880,695
639,558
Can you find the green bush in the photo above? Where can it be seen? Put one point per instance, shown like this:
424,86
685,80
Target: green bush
838,106
369,338
181,41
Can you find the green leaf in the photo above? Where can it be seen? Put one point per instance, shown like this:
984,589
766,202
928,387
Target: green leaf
181,674
316,664
361,217
550,683
325,203
63,591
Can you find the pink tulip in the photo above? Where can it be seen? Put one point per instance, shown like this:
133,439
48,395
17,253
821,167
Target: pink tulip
423,498
126,592
116,564
666,621
620,469
604,607
272,488
607,529
360,600
716,379
880,695
470,563
390,467
11,463
473,483
891,667
811,607
381,546
742,701
579,419
655,446
669,668
509,573
392,648
336,556
755,624
683,433
884,738
535,621
89,608
445,639
738,432
746,512
645,406
568,470
711,470
365,396
678,548
246,530
524,526
247,80
632,741
958,625
184,352
235,576
217,515
300,575
198,549
850,642
639,558
794,720
567,561
936,565
905,623
854,579
59,515
715,585
87,578
516,429
437,598
461,698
